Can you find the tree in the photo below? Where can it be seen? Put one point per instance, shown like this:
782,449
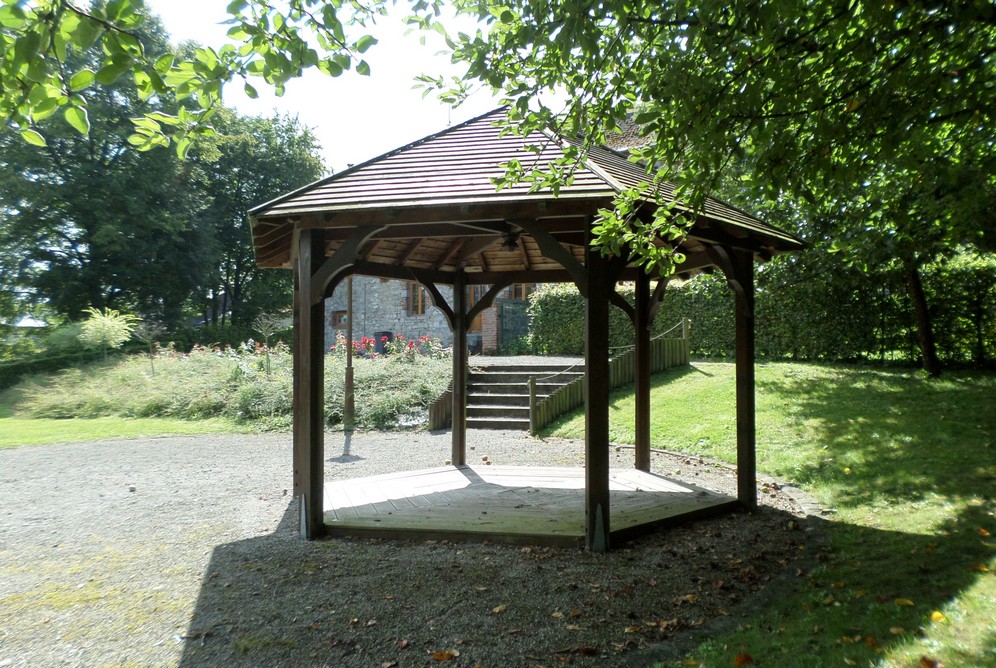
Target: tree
93,221
39,78
250,161
830,102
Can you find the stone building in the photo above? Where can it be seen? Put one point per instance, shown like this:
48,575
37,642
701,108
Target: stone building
390,307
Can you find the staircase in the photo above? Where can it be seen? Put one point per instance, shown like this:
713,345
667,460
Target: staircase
498,395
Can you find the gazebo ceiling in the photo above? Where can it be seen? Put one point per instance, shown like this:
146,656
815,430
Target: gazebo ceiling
439,210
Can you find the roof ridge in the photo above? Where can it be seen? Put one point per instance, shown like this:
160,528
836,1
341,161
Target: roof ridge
361,165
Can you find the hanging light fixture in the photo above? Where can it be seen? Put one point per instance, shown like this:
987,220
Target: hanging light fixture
510,240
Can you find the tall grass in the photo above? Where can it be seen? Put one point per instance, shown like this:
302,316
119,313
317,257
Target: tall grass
233,383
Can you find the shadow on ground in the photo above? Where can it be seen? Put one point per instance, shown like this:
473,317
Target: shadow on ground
277,600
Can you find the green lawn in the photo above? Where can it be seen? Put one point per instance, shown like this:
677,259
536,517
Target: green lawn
17,429
42,431
907,464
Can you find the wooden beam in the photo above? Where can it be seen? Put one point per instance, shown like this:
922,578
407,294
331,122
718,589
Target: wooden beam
381,270
657,298
409,251
309,375
458,318
440,302
641,324
489,297
551,248
596,405
346,256
738,266
452,250
474,247
404,213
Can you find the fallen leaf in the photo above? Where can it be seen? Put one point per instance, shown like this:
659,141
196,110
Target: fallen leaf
403,644
938,617
575,614
445,655
480,589
371,622
927,662
983,532
742,659
634,629
389,664
497,610
979,568
557,614
904,601
572,627
897,630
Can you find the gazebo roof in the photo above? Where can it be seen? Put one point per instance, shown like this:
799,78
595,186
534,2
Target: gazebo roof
441,209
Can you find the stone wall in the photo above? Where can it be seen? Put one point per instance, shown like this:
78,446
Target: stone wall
381,305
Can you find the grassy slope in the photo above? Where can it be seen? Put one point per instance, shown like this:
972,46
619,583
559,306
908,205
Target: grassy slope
909,466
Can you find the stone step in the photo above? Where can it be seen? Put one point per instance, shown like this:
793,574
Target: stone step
498,423
542,389
498,396
516,412
489,399
506,377
528,368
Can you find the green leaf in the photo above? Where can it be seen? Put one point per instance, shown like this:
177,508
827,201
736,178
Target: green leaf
87,33
12,17
109,73
251,92
81,80
183,147
77,117
365,42
363,68
33,137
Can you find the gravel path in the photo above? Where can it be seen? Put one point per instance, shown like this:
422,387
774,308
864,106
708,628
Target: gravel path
184,551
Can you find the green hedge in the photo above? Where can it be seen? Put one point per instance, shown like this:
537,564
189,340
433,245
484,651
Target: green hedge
808,307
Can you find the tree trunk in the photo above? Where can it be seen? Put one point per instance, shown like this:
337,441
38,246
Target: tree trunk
924,326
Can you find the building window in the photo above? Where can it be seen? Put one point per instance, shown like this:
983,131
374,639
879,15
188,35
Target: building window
415,299
520,291
339,319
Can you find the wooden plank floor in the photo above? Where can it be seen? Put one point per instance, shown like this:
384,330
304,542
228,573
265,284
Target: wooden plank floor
511,504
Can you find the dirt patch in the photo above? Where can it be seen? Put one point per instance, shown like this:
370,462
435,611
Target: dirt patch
184,551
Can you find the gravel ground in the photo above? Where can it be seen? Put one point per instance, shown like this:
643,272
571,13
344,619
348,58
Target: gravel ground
184,551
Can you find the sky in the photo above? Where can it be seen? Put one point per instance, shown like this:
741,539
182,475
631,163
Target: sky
355,118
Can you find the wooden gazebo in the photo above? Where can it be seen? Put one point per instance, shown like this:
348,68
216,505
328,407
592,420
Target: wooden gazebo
430,212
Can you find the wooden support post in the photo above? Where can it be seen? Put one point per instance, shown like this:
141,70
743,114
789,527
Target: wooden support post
596,405
309,376
641,324
743,263
533,417
349,396
459,326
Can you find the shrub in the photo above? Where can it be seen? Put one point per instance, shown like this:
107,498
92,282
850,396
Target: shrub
106,329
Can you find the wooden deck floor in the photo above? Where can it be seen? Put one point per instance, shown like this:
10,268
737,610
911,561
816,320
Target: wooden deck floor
509,504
